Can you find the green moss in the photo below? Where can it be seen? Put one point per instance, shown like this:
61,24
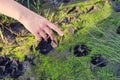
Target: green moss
97,30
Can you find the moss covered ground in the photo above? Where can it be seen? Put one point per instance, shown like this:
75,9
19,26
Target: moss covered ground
95,28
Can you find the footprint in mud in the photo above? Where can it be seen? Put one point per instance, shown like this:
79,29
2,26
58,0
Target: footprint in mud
99,61
81,50
118,30
44,47
10,68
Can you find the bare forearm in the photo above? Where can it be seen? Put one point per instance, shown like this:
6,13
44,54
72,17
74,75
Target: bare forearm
13,9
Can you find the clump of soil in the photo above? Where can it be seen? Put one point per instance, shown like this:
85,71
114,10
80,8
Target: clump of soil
11,68
99,61
44,47
81,50
118,30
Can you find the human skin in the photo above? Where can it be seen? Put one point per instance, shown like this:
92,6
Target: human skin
36,24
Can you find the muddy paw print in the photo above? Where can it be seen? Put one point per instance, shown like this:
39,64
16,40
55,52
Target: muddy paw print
81,50
99,61
44,47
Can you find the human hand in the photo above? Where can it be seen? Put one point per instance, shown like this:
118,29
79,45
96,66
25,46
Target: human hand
36,24
39,26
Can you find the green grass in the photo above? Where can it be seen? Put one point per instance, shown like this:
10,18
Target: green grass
97,30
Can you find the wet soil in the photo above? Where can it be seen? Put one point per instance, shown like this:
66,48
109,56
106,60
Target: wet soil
44,47
11,68
81,50
99,61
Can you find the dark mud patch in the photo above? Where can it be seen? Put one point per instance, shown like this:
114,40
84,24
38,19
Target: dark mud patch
44,47
11,68
99,61
81,50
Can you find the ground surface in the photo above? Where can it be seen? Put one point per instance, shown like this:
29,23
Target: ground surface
93,23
